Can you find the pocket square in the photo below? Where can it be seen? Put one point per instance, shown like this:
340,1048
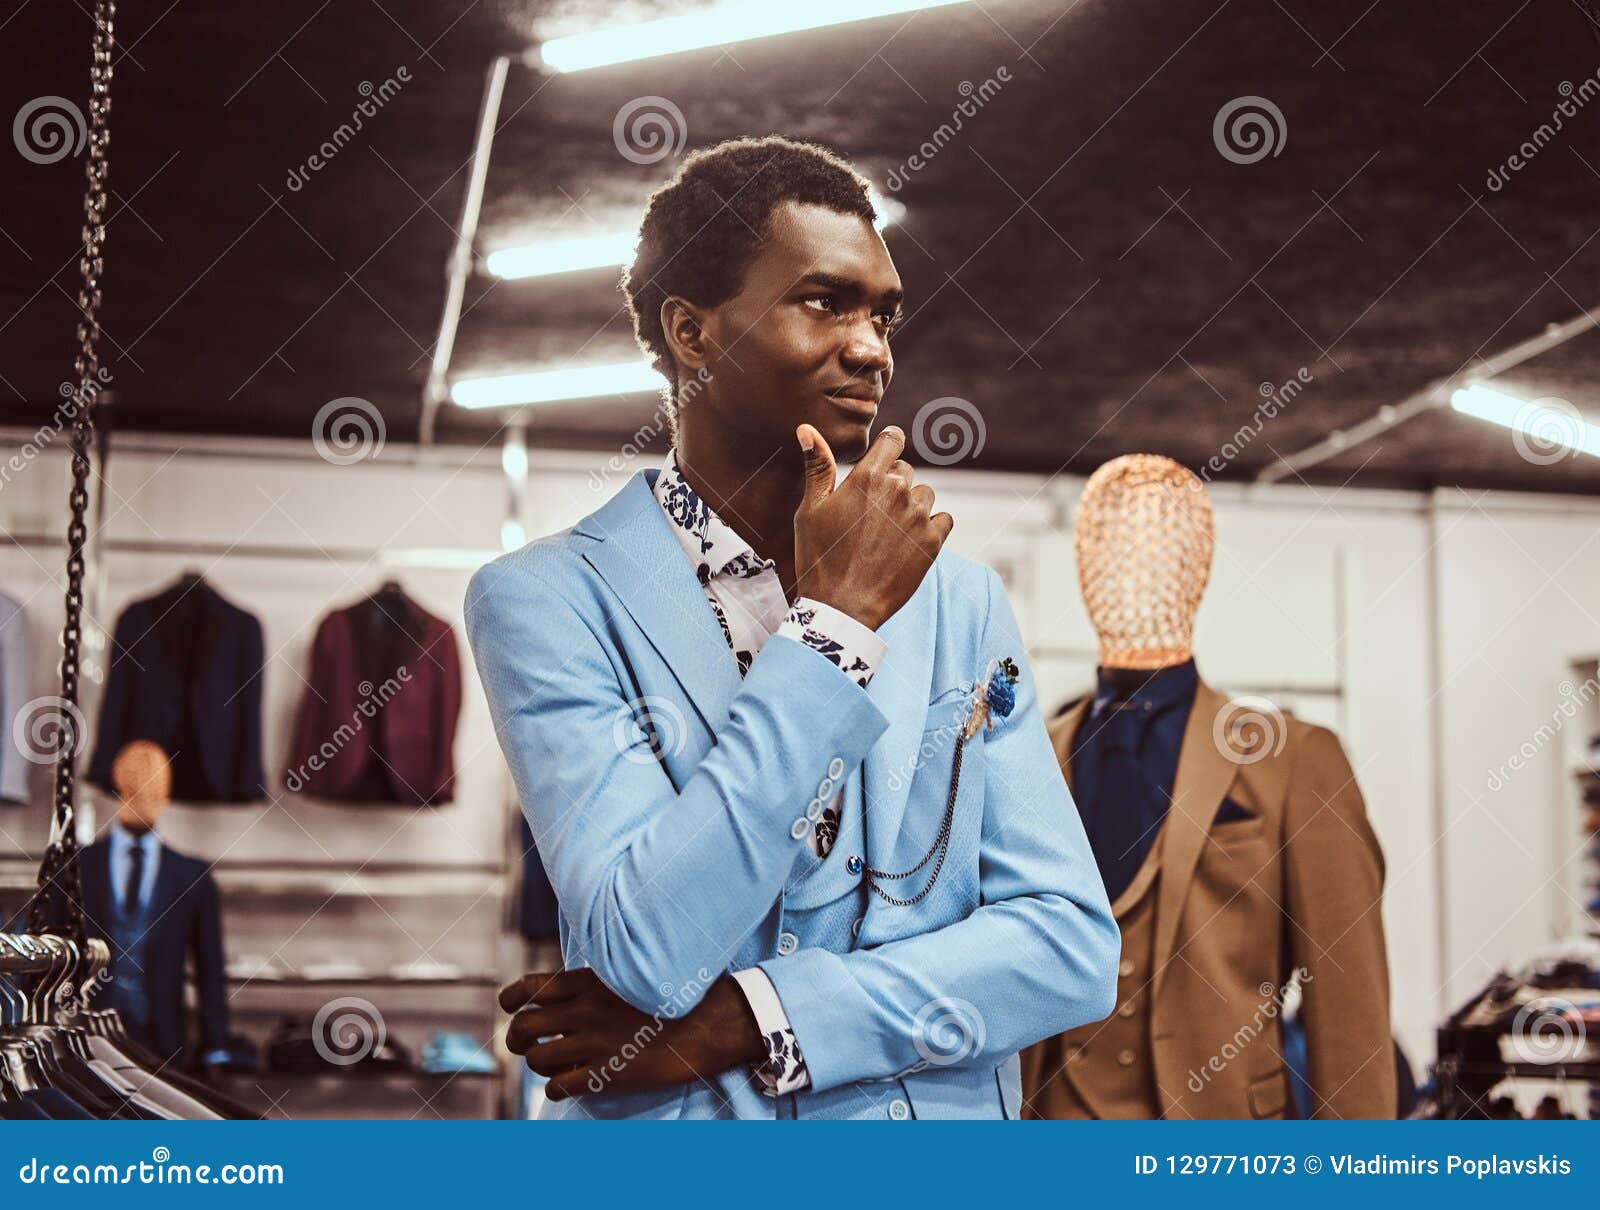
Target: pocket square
1231,812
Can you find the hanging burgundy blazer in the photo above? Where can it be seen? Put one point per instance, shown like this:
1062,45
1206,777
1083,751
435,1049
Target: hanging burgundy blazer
378,719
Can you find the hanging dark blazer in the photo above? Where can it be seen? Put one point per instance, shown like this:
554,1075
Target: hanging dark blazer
186,926
186,672
1290,876
367,733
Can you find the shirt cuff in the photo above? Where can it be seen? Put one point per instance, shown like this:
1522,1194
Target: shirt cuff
213,1057
854,648
785,1068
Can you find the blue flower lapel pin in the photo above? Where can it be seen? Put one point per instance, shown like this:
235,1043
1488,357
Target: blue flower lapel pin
995,695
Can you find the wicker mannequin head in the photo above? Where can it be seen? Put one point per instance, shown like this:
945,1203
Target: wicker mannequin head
1144,540
143,777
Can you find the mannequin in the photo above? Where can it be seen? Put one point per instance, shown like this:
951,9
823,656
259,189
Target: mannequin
1233,843
159,912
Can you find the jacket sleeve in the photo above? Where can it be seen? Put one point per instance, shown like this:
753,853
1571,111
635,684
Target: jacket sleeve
657,885
16,672
447,713
1036,958
210,966
251,785
1334,886
117,701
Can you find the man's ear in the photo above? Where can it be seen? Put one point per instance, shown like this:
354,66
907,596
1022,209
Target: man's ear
683,325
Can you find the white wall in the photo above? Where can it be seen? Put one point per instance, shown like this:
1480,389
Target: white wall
1432,634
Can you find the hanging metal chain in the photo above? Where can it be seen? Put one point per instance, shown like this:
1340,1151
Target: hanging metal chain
941,842
60,866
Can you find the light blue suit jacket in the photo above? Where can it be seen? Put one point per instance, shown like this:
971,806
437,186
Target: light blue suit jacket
667,798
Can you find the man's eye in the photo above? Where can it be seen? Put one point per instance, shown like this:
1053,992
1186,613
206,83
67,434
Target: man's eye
825,299
890,320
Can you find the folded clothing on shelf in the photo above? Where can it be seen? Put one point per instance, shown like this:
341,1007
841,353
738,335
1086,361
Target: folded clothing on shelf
335,1043
447,1052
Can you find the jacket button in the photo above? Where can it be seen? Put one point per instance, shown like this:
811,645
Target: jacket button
787,944
835,768
1126,967
814,810
899,1110
825,789
1128,1009
799,827
1125,1058
854,864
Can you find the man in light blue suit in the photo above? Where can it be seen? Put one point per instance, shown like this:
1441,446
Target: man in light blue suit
780,752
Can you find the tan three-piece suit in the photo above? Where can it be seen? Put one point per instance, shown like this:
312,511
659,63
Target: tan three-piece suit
1214,924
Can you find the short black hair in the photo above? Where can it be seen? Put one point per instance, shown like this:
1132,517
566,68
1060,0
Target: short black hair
702,229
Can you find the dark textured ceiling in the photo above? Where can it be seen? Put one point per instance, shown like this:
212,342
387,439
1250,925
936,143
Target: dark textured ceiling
1083,265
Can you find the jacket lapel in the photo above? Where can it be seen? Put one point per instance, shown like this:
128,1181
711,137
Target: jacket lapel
1204,774
644,565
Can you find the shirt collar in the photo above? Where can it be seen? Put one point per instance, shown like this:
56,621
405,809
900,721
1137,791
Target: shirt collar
123,836
1151,692
713,548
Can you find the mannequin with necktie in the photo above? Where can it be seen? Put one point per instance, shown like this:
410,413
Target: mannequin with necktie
1234,846
159,912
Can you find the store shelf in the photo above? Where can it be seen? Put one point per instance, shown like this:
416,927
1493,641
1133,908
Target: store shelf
287,879
371,979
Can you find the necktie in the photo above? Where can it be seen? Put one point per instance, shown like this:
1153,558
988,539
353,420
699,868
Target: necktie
1119,839
130,892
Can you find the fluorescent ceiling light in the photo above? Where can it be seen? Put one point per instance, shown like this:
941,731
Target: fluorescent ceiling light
548,386
714,27
1546,422
614,250
563,255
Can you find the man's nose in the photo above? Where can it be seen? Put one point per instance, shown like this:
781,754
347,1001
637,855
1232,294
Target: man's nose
867,351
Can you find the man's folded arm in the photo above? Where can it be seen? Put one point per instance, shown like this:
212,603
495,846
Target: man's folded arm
657,886
1037,957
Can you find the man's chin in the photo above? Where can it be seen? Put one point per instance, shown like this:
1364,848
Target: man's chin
849,439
